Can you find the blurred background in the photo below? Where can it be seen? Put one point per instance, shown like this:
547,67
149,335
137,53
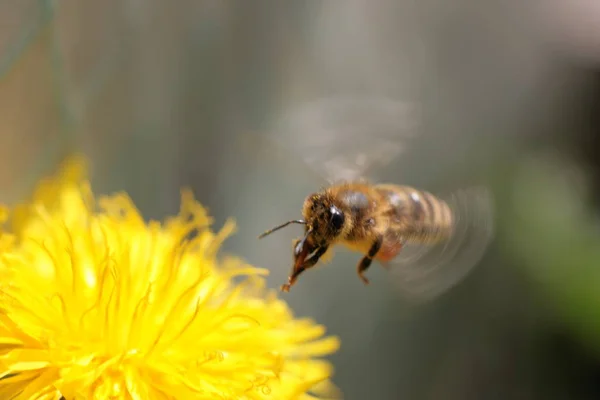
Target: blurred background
162,95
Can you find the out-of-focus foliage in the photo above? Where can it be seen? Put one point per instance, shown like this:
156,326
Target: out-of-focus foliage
556,234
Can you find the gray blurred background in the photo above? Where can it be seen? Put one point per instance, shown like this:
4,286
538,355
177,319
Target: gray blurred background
167,94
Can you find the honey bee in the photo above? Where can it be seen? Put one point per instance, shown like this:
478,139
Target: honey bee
374,220
420,235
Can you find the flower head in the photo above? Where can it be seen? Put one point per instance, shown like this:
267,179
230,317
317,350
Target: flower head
98,304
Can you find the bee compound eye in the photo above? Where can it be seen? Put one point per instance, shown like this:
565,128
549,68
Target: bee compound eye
337,218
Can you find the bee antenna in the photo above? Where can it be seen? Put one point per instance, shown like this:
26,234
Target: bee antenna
295,221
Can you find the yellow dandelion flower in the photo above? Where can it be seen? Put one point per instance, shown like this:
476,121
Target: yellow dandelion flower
99,304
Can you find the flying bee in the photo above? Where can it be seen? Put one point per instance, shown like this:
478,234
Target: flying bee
430,242
375,220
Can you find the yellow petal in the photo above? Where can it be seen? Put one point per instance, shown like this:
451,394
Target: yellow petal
98,303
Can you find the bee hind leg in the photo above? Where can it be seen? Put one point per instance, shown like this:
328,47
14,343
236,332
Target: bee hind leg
366,261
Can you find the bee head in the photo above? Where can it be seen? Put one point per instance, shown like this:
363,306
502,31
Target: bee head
325,221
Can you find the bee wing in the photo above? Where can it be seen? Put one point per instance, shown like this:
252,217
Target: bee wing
425,271
345,137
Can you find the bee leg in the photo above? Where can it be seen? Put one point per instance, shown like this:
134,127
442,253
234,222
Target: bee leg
308,263
366,261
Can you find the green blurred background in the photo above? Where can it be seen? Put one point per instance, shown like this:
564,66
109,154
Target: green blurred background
166,94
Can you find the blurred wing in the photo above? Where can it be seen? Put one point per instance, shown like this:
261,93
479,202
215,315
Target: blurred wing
423,272
345,138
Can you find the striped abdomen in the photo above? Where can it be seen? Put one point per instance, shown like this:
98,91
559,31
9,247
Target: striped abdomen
419,216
